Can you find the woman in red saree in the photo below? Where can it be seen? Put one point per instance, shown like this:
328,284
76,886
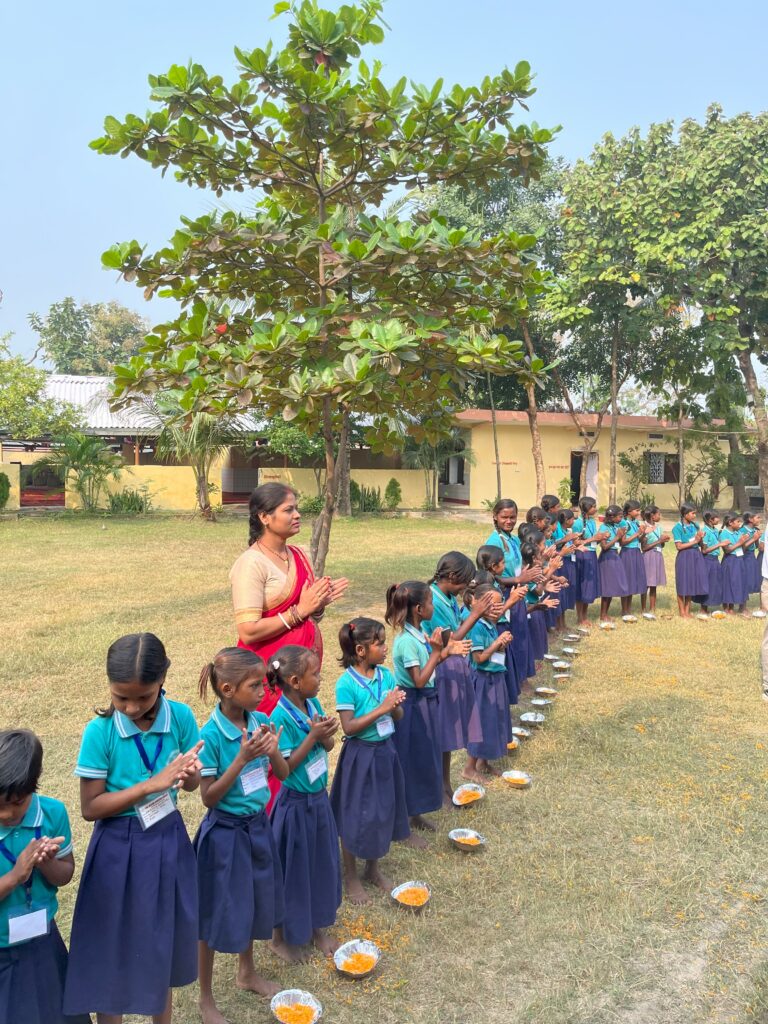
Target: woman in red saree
276,598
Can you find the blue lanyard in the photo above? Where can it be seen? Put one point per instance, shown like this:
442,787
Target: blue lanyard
362,681
12,858
149,765
301,720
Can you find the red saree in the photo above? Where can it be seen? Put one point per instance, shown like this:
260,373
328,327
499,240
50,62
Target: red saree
304,635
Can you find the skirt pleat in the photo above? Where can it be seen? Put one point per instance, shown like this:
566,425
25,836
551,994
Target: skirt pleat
568,594
691,576
510,676
613,578
418,747
634,570
240,882
655,571
587,577
32,978
493,705
134,931
368,797
522,654
457,720
734,583
537,630
308,844
714,594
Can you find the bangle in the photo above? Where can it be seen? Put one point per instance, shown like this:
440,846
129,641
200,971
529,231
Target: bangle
297,614
286,624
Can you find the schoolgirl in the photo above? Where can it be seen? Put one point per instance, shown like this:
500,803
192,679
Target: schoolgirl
368,792
491,560
457,714
734,578
302,819
711,546
134,932
488,646
632,555
550,503
566,539
553,615
613,579
504,520
691,576
539,596
652,543
415,657
239,880
587,571
752,555
35,861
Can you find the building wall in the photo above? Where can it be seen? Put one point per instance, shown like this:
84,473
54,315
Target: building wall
411,481
172,488
518,478
13,473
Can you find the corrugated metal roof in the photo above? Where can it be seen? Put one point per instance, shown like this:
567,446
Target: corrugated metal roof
91,396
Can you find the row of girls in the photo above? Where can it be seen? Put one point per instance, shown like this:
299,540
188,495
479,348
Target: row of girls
153,907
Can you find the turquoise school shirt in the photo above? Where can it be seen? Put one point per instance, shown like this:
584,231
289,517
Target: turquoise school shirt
750,532
411,649
222,745
108,750
45,817
361,696
732,537
587,528
711,536
633,531
446,615
510,545
296,727
683,533
612,530
482,635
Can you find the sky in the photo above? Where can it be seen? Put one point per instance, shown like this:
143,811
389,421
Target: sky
599,67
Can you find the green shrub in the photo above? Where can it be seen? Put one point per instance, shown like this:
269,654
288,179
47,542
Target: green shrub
369,501
393,495
136,501
354,494
311,504
5,490
564,492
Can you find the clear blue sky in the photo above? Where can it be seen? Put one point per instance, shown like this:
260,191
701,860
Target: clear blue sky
63,67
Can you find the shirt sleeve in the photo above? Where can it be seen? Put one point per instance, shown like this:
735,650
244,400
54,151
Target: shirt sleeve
189,734
209,755
345,694
677,532
477,638
409,651
93,759
60,827
248,582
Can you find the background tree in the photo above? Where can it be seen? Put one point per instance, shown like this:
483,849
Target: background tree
335,308
24,411
90,338
84,462
296,447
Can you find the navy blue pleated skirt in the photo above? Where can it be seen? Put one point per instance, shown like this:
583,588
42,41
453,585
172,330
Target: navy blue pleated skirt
32,982
634,570
754,561
655,572
493,705
418,746
308,844
734,580
568,594
368,797
239,879
714,594
510,674
691,576
587,577
537,631
522,652
613,579
457,720
134,931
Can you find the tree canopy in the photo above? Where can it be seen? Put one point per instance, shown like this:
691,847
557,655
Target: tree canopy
24,410
91,338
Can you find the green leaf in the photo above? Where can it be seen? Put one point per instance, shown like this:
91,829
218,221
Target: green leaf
280,8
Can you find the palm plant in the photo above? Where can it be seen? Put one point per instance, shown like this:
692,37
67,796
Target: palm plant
87,461
431,459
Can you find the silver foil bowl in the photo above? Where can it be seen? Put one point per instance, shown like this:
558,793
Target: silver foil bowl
468,787
356,946
292,996
411,885
517,780
456,835
533,718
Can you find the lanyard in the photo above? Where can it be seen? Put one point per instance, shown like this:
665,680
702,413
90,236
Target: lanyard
362,681
12,858
301,720
149,765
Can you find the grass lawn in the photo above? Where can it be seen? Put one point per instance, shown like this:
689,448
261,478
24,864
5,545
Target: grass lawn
627,885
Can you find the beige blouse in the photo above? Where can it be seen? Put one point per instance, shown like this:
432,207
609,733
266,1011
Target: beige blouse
258,584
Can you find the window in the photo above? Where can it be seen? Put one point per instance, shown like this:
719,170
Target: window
663,468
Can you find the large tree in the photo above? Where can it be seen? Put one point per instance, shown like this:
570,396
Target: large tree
25,412
312,304
90,338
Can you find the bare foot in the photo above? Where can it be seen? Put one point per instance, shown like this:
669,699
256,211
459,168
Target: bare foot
324,942
291,954
417,842
355,892
419,821
209,1013
472,776
447,801
250,981
488,769
375,877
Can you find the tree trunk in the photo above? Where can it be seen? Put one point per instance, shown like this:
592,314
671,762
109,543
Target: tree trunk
495,438
343,497
588,445
614,413
761,416
203,494
680,455
740,499
533,423
435,481
321,531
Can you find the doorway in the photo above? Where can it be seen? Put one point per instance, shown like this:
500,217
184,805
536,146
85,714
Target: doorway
577,459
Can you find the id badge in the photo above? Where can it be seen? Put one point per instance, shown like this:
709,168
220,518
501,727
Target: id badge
739,552
317,766
385,726
154,809
27,923
253,779
498,658
573,557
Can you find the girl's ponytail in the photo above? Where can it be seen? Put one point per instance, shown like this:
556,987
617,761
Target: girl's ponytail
208,675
